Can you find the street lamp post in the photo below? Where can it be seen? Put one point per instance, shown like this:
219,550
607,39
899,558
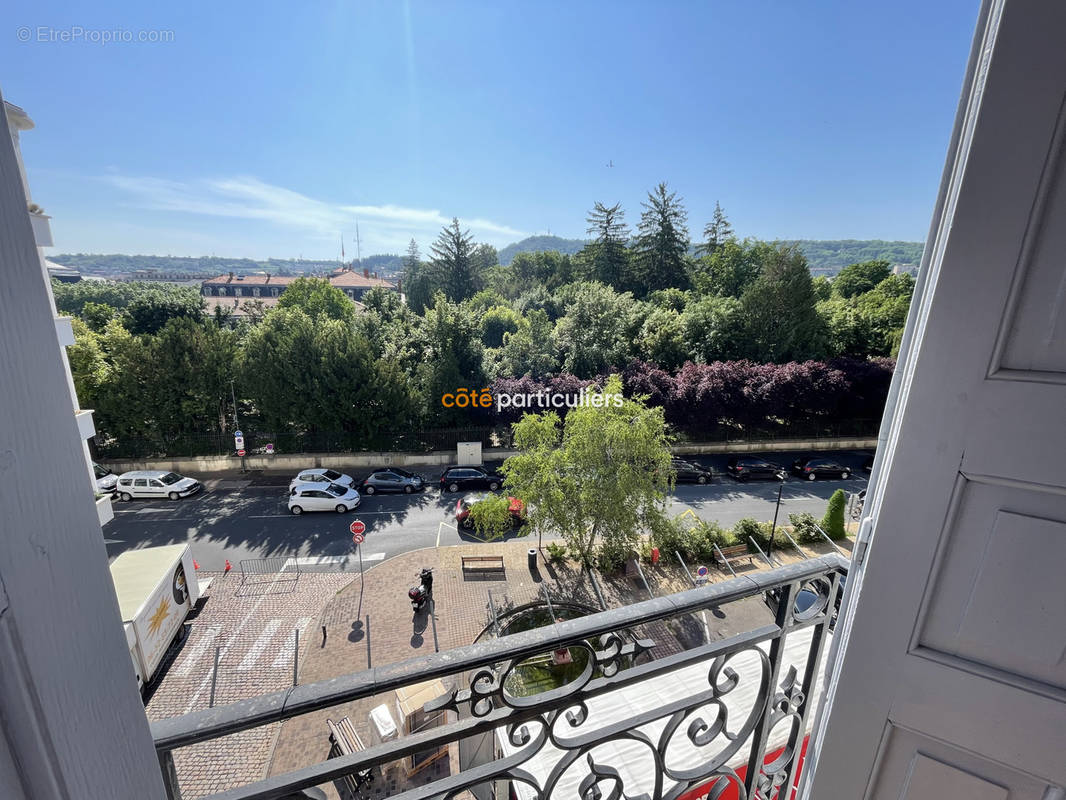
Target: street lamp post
773,528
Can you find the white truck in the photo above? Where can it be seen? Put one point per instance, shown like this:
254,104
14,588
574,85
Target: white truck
156,589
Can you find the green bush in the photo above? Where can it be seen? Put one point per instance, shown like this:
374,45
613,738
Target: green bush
748,530
556,552
805,528
611,558
694,539
833,521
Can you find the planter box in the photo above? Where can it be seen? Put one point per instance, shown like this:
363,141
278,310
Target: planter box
65,331
86,428
104,512
42,229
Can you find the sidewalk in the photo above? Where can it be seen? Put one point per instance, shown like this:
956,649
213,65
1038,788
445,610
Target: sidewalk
253,624
371,624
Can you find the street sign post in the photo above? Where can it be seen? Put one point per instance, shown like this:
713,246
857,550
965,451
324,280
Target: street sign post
701,574
238,444
358,529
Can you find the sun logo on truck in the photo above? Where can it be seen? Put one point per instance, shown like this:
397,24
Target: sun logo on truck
159,617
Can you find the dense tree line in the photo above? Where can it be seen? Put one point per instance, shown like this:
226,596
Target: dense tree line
739,335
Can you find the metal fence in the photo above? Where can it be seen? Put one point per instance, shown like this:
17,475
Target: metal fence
758,664
428,439
289,442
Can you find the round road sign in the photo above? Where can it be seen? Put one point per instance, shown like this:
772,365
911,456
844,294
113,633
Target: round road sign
701,572
358,528
240,453
358,538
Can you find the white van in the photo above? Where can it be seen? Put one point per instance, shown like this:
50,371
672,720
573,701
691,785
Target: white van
155,484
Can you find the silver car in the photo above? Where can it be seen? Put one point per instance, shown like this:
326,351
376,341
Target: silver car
322,475
393,479
322,497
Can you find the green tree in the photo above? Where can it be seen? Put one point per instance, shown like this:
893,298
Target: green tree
88,364
731,268
606,256
714,329
833,521
855,279
662,339
420,280
491,517
453,359
316,297
594,335
598,479
278,368
823,289
781,322
496,323
453,259
717,232
97,315
661,250
531,349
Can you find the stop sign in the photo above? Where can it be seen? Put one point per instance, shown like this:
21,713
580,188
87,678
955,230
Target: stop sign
357,528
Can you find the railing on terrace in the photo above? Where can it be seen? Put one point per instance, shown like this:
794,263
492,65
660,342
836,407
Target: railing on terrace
722,749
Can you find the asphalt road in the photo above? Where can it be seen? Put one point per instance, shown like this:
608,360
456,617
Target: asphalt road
246,517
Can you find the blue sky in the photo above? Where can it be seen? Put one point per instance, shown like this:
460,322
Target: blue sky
269,129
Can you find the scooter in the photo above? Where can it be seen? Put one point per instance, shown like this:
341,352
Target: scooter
421,594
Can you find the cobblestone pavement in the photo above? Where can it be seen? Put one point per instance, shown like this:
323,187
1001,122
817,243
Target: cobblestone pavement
370,623
253,623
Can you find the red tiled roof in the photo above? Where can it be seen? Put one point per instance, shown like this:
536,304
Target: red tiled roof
358,279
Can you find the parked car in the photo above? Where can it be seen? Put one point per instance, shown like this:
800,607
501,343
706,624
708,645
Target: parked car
155,484
323,497
393,479
868,464
746,468
106,480
813,468
321,475
688,472
464,504
455,479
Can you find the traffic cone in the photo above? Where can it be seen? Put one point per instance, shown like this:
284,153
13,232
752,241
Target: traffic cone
195,565
229,566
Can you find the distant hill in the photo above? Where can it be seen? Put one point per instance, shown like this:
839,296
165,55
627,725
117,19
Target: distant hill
536,244
829,256
116,263
825,256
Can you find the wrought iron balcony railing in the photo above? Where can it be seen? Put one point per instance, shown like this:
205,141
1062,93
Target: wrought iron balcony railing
727,717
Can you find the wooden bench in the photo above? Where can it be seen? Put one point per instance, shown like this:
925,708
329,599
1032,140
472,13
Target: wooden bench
482,564
736,552
344,741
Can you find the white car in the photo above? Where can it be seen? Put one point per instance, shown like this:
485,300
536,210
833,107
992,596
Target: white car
322,475
322,496
105,479
155,484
